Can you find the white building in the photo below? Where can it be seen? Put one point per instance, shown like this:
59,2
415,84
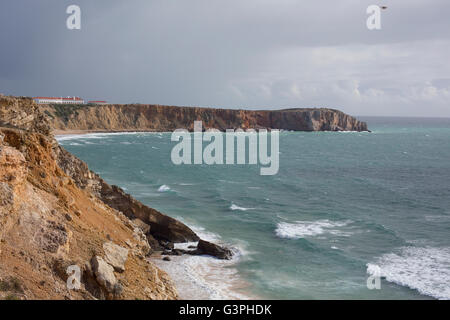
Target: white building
53,100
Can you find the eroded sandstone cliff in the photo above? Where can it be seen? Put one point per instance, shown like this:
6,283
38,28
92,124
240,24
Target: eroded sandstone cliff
56,213
168,118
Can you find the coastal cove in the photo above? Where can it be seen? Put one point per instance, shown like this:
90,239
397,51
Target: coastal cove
314,220
75,220
212,159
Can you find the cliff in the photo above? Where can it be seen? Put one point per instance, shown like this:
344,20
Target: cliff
168,118
56,213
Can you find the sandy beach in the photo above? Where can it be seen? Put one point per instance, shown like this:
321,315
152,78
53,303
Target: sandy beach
80,132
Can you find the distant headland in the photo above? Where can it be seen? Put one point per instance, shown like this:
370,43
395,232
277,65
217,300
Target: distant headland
100,116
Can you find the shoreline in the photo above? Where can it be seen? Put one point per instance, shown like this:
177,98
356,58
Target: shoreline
195,277
203,278
56,133
82,132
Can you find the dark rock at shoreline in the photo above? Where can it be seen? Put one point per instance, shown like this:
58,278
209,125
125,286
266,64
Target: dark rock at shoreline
205,247
166,244
154,244
178,252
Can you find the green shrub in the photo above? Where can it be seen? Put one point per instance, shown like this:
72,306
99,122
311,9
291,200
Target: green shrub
49,114
4,285
64,111
12,284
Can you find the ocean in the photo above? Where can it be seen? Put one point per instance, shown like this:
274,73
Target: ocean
342,205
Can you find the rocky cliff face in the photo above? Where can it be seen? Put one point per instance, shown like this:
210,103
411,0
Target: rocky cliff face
160,226
168,118
23,113
48,223
56,213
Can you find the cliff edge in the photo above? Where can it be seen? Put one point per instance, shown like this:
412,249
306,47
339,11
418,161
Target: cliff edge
67,234
137,117
64,232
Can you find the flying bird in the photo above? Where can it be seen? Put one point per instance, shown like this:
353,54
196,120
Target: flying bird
383,7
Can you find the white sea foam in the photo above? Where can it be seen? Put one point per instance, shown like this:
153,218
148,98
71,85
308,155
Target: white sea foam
234,207
425,269
302,229
205,277
67,137
437,218
164,188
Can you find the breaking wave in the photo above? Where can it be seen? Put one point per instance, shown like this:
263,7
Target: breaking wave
235,207
302,229
425,269
164,188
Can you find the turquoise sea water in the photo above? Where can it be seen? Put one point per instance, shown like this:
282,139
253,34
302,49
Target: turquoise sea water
342,203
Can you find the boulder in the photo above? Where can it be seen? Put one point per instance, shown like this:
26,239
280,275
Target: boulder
154,244
177,252
115,255
104,274
205,247
167,244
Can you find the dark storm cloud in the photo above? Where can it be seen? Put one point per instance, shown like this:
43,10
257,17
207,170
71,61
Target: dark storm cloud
251,53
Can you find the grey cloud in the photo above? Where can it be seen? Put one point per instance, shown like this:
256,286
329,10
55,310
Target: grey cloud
253,53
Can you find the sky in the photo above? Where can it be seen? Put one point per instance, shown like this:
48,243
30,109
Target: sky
251,54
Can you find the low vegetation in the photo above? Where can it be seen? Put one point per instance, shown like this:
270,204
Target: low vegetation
64,111
11,284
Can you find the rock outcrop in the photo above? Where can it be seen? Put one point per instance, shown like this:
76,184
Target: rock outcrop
168,118
48,223
208,248
52,222
104,274
115,255
202,248
56,214
23,113
161,227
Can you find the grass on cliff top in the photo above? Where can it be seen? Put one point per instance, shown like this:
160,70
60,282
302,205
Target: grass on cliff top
64,111
12,284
